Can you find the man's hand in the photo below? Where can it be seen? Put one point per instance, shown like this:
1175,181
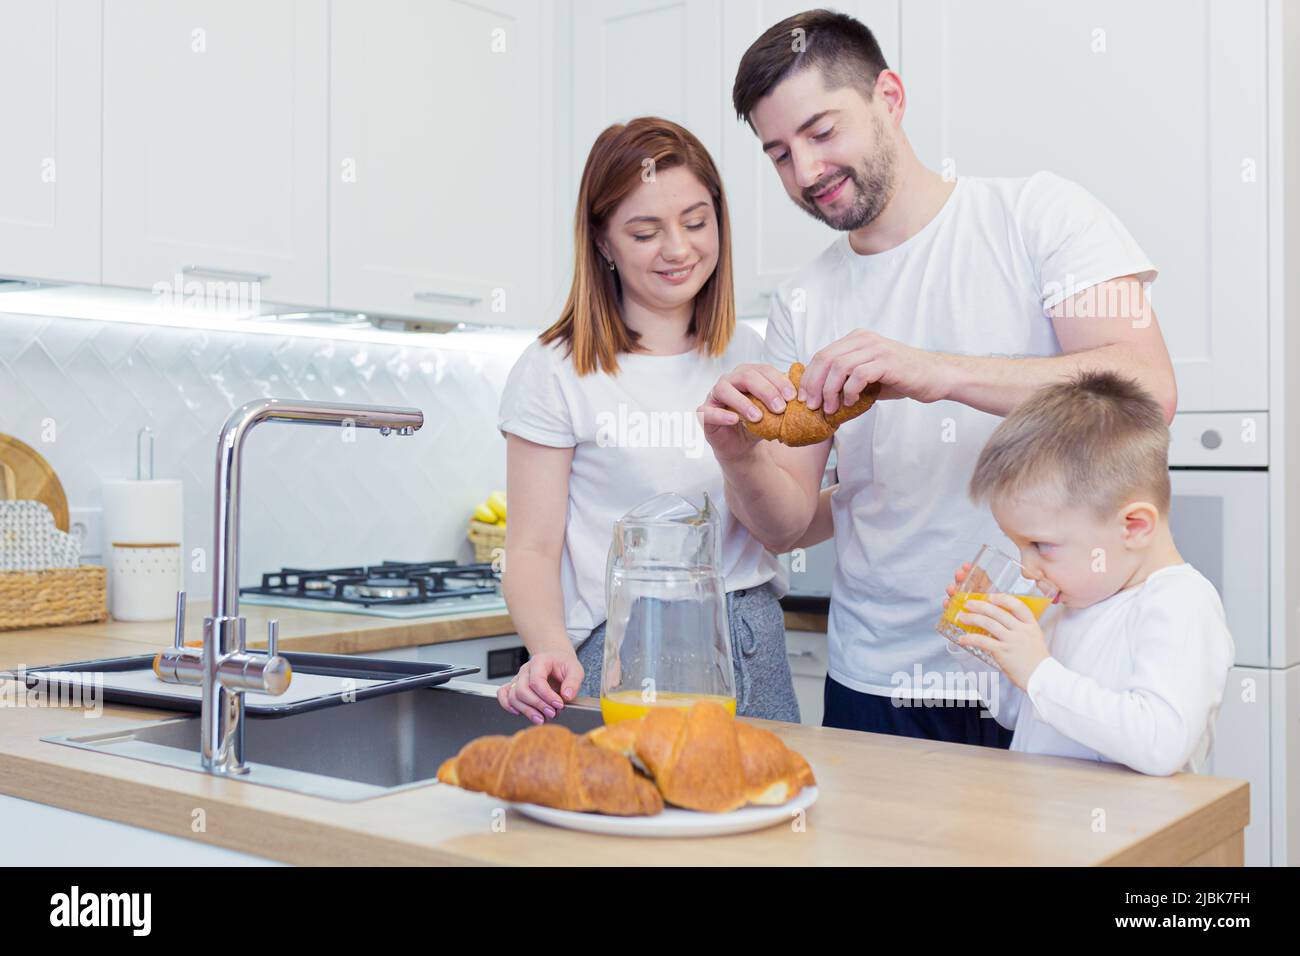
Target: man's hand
838,373
1014,639
727,402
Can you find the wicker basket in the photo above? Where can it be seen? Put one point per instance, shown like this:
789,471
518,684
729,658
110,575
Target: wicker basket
53,596
486,538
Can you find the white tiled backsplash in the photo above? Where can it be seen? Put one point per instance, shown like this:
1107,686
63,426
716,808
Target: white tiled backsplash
309,498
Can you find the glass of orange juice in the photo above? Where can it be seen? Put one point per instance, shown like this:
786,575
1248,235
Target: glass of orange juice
992,572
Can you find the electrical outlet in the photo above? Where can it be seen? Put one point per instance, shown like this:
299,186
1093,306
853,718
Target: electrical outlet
87,526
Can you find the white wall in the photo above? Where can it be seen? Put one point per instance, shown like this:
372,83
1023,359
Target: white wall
309,499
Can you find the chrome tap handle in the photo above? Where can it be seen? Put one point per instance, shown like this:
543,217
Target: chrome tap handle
272,637
179,640
179,664
265,674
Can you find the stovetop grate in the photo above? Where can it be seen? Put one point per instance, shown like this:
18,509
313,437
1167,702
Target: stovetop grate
387,583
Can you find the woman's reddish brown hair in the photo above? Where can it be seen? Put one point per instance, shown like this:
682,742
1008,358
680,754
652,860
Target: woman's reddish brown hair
591,325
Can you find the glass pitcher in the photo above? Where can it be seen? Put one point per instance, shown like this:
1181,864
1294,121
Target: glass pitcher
667,642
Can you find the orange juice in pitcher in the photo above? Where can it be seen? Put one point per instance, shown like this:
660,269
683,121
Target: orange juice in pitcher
630,704
667,635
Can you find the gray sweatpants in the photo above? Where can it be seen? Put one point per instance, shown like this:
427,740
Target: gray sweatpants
764,687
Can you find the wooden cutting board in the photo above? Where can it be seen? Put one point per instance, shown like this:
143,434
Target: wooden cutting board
25,475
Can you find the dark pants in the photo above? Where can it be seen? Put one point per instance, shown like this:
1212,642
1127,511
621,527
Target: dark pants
958,722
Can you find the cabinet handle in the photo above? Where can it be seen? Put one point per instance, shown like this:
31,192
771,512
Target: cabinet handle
448,297
236,274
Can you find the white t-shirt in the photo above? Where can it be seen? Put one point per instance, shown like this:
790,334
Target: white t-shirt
977,279
1135,679
634,435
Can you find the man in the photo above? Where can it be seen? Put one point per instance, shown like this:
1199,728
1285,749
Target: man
959,297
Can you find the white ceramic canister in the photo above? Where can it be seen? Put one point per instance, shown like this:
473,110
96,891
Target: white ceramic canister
142,530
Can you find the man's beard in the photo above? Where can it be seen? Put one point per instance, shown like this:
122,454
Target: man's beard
873,186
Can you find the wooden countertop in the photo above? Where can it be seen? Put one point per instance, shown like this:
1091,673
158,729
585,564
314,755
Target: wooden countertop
322,631
884,800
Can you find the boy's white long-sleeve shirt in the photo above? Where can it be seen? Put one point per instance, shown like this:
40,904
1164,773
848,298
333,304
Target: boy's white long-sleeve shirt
1135,679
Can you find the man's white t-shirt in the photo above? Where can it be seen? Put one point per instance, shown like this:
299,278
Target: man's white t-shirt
978,279
634,435
1136,679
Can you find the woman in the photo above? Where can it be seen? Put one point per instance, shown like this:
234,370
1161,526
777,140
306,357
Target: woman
649,326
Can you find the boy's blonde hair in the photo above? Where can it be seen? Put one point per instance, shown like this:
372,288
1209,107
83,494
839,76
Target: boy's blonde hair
1100,440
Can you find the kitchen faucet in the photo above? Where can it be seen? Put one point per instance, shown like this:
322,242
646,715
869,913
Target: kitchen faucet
223,665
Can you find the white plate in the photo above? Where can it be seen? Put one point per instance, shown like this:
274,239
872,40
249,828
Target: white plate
673,822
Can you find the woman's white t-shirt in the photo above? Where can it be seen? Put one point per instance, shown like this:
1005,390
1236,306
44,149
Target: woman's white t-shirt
634,434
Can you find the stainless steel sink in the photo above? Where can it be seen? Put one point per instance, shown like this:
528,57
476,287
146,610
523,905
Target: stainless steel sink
350,752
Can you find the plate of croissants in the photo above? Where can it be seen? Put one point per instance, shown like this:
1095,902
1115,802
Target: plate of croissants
674,772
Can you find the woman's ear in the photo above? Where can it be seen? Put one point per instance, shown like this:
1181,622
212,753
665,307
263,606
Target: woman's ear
1140,519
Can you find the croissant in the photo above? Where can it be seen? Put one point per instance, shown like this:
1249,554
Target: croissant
705,759
551,766
798,425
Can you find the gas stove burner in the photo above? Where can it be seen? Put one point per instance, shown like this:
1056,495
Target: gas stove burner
381,590
389,583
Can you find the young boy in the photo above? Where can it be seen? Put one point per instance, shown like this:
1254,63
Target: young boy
1131,667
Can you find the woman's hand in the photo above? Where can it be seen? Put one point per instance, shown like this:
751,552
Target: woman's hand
729,402
542,685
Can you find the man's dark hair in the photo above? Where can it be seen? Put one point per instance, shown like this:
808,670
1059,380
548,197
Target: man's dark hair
841,47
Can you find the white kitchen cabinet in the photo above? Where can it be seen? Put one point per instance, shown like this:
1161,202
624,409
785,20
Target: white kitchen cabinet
808,653
644,58
441,165
40,835
1257,739
1241,750
49,164
1159,110
771,236
624,59
1284,787
215,120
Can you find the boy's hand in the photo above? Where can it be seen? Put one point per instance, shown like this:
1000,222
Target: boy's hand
1014,639
958,576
